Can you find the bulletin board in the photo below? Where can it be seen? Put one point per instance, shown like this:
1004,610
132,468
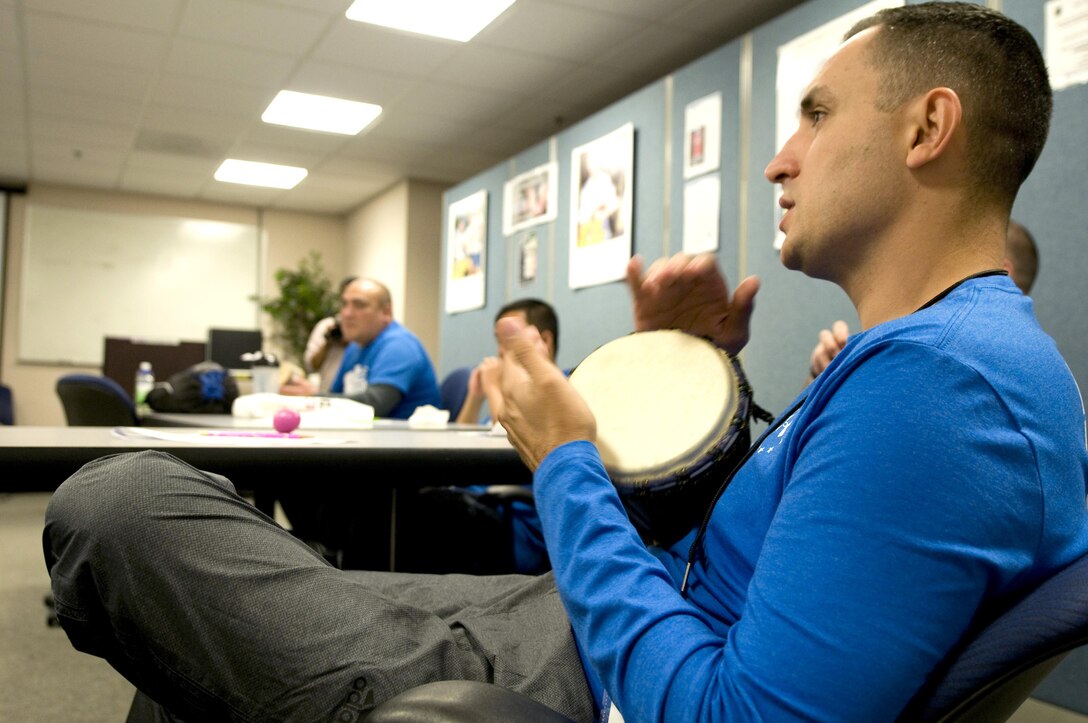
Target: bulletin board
92,274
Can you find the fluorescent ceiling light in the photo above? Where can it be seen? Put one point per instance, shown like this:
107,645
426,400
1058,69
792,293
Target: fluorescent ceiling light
320,113
440,18
252,173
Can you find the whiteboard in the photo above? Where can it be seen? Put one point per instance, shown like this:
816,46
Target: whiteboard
91,274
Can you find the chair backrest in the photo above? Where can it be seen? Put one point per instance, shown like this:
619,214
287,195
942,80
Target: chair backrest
95,401
999,666
454,389
7,405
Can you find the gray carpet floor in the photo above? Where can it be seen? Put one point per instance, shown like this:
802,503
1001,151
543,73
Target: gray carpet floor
42,678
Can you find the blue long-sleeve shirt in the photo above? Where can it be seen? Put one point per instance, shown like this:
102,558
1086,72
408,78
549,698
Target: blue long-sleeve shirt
937,466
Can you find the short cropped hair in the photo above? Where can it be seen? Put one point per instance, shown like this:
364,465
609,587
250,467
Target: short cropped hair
537,313
995,67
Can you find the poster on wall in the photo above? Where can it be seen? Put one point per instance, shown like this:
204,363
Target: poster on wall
702,206
527,246
465,255
798,62
602,185
1066,33
530,198
703,135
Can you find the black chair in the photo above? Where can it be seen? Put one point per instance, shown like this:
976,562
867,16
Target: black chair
986,680
7,405
95,401
454,389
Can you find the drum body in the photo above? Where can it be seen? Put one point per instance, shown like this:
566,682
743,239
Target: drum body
672,414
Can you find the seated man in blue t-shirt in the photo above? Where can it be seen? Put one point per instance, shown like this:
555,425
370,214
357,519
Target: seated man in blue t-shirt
385,365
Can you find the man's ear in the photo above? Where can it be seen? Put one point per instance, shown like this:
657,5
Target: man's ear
935,119
549,341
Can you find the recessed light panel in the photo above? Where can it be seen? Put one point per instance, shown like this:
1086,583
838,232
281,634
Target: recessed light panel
252,173
439,18
320,113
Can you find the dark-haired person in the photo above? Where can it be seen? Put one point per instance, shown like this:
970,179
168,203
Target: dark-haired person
533,312
925,479
483,532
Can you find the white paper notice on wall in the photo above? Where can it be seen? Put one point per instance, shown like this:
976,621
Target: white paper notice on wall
1066,43
702,206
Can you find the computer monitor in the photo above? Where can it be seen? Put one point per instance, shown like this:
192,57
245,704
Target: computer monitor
226,346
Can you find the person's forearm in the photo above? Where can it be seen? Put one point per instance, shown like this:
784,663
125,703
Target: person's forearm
383,397
470,410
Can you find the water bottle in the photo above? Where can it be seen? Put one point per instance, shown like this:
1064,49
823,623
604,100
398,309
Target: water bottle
145,382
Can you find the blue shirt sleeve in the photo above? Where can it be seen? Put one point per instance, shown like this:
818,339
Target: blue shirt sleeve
844,561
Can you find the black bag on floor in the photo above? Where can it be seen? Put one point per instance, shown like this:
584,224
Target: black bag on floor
204,388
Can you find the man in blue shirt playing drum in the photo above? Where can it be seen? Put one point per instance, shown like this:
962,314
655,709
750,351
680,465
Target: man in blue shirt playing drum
936,467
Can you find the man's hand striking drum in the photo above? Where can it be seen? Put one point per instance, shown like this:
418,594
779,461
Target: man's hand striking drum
540,409
689,293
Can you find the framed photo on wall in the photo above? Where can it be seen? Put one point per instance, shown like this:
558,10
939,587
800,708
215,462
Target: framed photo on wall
602,186
466,252
530,198
703,135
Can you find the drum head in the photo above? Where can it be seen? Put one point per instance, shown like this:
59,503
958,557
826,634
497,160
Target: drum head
661,398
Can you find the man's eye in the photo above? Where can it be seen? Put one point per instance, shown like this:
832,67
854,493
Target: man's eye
815,116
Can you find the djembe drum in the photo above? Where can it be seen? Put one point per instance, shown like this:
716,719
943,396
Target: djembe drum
672,414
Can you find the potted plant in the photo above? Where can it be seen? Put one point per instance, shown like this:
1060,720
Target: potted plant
306,296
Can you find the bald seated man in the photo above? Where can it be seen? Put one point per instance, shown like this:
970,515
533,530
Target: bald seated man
385,365
1021,261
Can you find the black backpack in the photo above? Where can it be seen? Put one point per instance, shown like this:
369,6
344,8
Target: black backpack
204,388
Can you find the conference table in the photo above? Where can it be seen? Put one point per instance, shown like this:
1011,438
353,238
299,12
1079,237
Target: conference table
365,467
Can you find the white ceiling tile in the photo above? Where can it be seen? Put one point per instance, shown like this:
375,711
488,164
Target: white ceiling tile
213,128
252,24
244,66
158,15
162,182
419,127
84,41
455,102
75,173
221,97
724,20
640,9
239,194
45,130
10,40
297,139
84,107
263,153
350,83
368,46
152,162
500,69
108,81
557,31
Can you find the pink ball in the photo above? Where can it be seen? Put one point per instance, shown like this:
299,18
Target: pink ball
286,421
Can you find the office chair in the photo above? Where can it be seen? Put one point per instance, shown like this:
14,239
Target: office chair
985,680
7,405
94,401
454,389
